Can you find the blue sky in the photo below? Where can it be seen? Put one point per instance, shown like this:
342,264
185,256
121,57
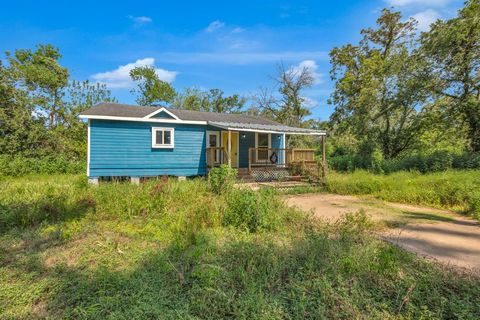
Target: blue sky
234,46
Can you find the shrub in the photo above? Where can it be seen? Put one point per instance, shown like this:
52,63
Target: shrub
252,210
222,179
376,160
433,162
467,160
344,163
20,165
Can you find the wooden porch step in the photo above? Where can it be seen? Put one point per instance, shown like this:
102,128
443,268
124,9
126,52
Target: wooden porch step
244,176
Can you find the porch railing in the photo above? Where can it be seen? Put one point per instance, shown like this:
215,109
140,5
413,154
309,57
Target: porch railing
278,157
216,156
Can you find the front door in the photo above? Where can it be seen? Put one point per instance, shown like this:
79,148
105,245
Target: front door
234,146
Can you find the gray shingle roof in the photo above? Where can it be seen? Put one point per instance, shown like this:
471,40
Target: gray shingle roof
225,120
126,110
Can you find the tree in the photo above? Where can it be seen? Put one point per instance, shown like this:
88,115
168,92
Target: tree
39,107
41,75
377,88
290,84
212,100
151,90
288,105
20,132
191,99
452,51
78,96
265,104
230,104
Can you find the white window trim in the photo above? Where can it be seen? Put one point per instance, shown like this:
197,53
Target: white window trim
163,146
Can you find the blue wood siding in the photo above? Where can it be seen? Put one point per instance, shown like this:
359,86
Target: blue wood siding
277,142
245,143
163,115
249,142
122,148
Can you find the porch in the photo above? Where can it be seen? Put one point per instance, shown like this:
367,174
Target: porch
262,156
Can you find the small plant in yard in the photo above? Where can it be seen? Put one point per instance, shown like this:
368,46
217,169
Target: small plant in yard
222,179
253,211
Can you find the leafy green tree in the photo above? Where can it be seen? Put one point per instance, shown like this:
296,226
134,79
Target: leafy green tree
79,96
212,100
39,107
377,88
229,104
41,75
150,89
452,51
191,99
20,132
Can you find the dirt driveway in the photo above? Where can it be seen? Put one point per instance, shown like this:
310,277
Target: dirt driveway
433,233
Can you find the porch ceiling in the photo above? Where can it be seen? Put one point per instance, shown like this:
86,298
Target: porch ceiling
265,128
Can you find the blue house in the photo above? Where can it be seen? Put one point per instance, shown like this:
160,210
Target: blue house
138,141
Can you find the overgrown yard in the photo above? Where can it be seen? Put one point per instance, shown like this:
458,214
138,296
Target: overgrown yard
170,249
454,190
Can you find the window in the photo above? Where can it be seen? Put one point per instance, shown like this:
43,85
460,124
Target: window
263,141
214,142
162,137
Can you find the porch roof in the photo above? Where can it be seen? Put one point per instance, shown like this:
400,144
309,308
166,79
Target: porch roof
265,128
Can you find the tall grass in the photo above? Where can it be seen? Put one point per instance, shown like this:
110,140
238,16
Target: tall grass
171,250
457,190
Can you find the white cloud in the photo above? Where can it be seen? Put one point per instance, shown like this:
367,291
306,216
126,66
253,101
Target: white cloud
120,77
141,20
403,3
309,102
310,65
238,30
215,25
425,19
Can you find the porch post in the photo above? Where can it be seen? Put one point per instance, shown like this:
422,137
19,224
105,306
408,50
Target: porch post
324,157
249,160
229,148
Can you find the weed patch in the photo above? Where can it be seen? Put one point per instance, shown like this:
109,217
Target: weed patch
455,190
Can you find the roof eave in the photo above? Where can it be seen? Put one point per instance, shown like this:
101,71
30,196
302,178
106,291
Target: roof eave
157,120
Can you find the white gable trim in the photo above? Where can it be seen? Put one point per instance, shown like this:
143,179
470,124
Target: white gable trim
162,109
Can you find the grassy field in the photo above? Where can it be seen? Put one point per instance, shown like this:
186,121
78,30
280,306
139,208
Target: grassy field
175,250
455,190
